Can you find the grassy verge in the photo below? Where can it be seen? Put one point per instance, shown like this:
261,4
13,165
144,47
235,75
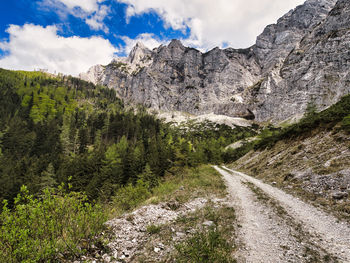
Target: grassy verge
215,244
181,186
206,235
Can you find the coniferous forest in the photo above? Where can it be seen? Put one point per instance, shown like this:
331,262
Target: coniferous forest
60,129
71,150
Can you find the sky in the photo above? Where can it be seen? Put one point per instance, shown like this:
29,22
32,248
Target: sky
70,36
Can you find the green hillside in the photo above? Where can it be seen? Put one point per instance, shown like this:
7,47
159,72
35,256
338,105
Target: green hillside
69,147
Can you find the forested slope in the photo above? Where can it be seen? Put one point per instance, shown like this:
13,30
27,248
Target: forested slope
59,128
72,154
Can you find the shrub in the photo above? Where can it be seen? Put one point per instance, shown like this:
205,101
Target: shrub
44,229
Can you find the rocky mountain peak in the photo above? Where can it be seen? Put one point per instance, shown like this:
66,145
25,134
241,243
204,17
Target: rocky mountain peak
294,60
278,40
94,74
175,43
138,53
316,70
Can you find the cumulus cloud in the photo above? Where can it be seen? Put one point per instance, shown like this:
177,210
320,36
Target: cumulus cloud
149,40
96,21
32,47
215,23
91,11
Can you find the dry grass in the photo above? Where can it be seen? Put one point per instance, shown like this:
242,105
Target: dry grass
189,183
306,167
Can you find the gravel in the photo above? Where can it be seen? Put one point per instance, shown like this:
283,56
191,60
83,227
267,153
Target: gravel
264,236
328,232
130,231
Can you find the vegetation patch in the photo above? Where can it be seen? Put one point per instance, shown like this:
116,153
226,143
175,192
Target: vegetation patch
212,239
177,187
153,229
207,246
206,235
56,226
312,121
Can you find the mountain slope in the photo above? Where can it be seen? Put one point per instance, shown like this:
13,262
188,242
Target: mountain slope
238,83
315,71
309,159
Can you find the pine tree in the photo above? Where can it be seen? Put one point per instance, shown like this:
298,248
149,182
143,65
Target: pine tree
47,179
149,177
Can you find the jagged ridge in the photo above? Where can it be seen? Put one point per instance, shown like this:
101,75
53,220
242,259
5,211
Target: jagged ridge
249,83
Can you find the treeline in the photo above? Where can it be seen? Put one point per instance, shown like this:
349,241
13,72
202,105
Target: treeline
64,130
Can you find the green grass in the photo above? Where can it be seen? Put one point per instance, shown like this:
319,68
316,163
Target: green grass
181,186
190,183
203,247
153,229
212,244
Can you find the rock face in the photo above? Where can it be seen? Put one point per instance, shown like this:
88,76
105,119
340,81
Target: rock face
317,70
178,78
279,39
303,57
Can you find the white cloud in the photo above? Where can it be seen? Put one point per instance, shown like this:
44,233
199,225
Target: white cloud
31,47
149,40
91,11
88,6
96,21
214,23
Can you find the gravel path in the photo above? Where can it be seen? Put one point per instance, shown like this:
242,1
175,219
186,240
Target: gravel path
264,235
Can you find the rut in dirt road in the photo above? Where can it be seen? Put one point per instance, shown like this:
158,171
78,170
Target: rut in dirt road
322,230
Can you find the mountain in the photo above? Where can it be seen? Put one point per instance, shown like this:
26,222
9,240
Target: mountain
71,155
316,70
300,59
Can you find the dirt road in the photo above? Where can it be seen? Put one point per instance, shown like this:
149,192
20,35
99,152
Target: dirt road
277,227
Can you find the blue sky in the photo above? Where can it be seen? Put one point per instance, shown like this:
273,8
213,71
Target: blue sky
69,36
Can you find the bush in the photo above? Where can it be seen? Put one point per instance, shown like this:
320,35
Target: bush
57,225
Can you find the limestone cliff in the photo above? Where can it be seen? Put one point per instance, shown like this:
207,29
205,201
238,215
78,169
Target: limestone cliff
317,70
303,57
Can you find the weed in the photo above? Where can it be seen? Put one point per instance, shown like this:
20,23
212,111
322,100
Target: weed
207,246
153,229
